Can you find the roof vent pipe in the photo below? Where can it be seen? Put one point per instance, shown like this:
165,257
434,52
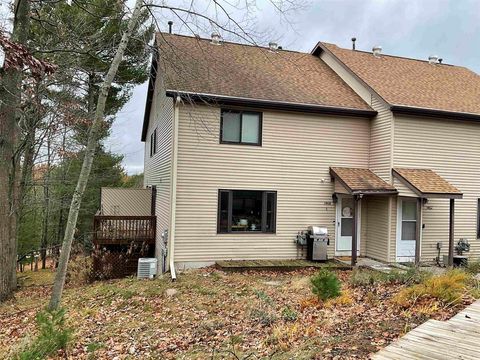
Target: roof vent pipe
353,42
273,46
433,59
216,39
377,51
170,23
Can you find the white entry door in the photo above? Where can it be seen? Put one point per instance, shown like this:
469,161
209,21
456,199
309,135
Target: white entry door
345,226
406,229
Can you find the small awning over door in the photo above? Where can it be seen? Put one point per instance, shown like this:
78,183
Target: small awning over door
426,183
358,181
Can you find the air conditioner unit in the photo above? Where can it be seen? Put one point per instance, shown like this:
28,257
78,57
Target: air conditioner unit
147,268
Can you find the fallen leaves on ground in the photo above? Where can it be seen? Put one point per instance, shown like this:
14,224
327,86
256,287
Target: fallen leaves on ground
217,315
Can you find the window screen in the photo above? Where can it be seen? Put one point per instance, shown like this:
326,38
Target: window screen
241,127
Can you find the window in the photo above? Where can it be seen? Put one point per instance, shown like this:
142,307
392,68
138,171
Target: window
241,127
246,211
409,219
153,143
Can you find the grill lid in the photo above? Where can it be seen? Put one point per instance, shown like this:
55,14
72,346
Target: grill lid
318,231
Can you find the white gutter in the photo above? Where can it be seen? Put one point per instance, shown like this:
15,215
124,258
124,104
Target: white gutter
173,189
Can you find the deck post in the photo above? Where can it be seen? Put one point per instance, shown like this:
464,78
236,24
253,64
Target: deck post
418,231
451,234
354,229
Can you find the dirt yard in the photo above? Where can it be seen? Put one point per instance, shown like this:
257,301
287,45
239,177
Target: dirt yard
210,314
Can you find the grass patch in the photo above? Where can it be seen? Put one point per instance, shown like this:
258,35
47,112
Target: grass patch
264,297
264,317
362,277
325,285
94,346
344,299
473,267
53,335
448,288
288,314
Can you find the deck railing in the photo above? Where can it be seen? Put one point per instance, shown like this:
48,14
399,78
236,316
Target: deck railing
119,230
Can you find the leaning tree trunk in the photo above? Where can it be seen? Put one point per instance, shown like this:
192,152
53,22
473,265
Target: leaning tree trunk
10,96
88,160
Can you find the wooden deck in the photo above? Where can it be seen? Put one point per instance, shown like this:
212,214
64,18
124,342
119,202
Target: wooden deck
277,264
456,338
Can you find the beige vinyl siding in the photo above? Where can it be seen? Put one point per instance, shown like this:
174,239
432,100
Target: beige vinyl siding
393,230
379,160
364,228
381,141
294,160
378,229
403,190
158,168
126,202
452,149
340,189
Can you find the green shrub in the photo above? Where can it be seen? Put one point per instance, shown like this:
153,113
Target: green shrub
325,285
53,335
289,314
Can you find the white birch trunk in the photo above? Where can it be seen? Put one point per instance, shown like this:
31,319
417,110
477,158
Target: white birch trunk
88,160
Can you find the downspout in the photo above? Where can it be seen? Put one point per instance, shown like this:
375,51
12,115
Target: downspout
173,188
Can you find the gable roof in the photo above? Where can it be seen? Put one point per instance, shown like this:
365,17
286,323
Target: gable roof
362,181
194,65
411,83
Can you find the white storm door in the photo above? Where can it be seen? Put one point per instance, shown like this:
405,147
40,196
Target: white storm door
406,229
345,225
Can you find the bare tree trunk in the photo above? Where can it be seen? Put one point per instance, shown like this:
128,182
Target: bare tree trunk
27,165
46,204
88,160
60,229
10,91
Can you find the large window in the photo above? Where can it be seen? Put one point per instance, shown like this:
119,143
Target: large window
246,211
241,127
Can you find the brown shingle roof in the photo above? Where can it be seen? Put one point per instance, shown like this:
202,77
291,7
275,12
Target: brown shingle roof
426,182
414,83
194,65
361,181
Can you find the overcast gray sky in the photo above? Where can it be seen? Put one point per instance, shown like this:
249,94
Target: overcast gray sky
448,28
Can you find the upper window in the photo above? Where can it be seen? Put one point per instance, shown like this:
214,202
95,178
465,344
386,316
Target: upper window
246,211
241,127
153,143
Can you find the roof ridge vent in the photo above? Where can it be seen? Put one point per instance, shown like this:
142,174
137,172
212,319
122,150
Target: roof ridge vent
273,46
377,51
216,39
433,59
